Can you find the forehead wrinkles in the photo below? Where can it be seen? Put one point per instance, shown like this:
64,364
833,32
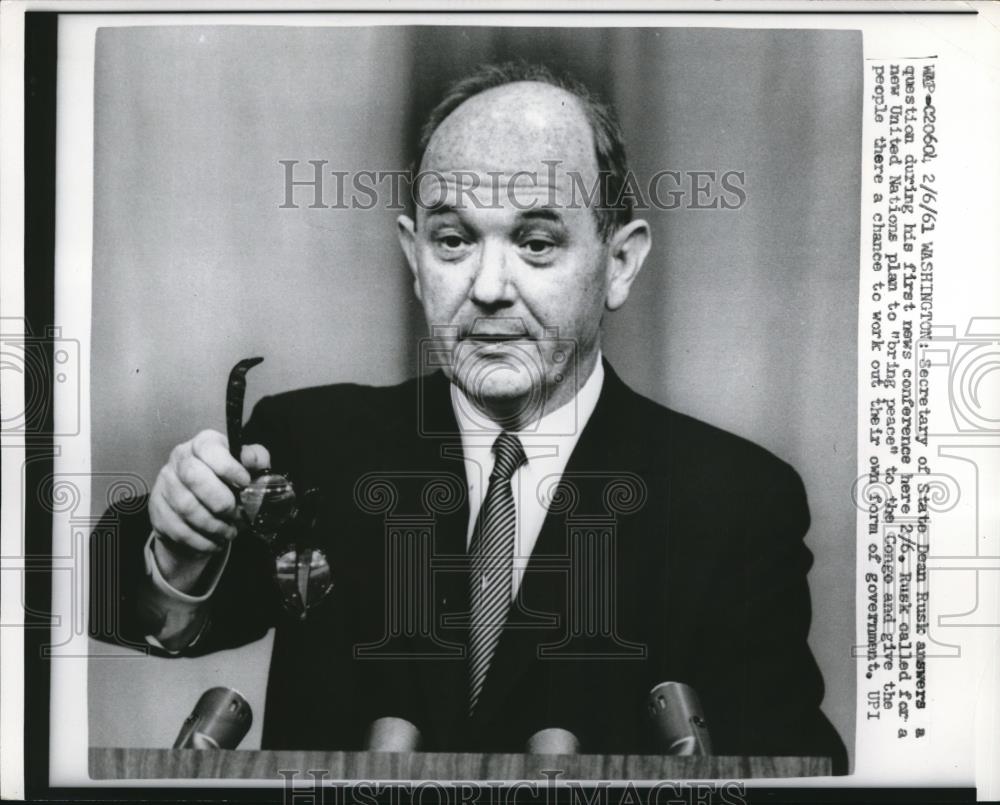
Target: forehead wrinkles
475,195
512,128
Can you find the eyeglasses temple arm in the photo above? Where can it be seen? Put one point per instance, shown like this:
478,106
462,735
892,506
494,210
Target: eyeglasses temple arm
235,392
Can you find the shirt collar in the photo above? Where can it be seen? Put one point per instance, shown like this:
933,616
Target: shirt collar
560,428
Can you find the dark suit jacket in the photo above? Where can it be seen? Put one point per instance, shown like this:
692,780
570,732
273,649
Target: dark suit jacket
673,551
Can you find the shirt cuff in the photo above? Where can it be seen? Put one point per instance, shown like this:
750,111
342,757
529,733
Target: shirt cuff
183,617
153,571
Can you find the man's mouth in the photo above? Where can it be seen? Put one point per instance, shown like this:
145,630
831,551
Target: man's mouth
499,330
495,338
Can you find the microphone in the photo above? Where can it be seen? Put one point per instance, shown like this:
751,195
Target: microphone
678,721
220,720
553,741
391,734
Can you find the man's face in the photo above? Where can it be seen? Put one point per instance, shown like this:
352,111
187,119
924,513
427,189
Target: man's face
507,259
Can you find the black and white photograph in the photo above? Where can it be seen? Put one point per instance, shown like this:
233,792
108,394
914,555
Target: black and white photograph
408,401
556,399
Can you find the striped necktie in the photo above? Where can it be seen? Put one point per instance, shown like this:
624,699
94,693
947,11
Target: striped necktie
492,563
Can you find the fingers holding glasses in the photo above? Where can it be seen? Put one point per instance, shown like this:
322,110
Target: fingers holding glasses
211,449
193,502
255,457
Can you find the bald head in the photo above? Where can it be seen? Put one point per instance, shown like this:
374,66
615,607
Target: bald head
518,126
528,140
523,110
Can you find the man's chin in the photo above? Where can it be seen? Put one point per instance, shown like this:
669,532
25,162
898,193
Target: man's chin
503,394
497,391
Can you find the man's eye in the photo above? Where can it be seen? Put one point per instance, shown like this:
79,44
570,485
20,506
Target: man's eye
537,247
450,244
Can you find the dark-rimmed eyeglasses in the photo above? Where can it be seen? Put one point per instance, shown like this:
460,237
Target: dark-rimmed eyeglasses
272,510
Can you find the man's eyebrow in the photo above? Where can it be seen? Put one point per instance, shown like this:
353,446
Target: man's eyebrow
541,213
443,208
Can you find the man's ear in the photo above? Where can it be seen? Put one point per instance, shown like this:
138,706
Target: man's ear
406,230
626,254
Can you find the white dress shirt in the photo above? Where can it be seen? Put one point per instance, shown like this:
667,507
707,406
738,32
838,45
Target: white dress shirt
548,443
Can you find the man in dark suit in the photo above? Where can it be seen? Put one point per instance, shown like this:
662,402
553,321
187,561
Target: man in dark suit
519,542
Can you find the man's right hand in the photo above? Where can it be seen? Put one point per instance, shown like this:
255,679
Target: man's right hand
193,508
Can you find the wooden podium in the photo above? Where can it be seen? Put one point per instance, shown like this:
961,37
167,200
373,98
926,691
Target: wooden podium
168,764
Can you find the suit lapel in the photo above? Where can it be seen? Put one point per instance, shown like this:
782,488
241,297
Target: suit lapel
438,452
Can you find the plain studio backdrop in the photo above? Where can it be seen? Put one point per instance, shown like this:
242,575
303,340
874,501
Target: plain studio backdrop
744,318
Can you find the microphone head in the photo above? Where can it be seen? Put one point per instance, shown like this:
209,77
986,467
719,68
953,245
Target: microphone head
220,720
677,720
391,734
553,741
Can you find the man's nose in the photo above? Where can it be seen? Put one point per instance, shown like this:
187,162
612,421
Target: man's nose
492,285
